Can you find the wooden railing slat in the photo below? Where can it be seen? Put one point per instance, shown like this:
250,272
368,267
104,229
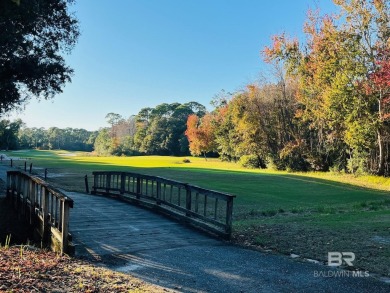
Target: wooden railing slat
167,194
41,202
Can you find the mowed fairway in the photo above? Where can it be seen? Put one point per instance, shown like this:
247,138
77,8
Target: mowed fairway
305,214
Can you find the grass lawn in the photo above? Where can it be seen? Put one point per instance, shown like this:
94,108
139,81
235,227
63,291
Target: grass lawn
308,214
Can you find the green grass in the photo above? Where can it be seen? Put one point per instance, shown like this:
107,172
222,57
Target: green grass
299,212
258,192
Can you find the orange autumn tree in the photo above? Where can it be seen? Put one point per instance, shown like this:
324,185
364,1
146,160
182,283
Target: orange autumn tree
200,134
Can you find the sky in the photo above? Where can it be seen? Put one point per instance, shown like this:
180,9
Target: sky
140,53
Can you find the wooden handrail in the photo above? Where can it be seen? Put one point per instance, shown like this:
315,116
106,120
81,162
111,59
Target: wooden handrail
209,209
45,208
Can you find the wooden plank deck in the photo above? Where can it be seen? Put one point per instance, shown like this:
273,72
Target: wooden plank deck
102,226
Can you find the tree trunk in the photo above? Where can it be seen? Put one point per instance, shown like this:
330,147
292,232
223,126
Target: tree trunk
381,159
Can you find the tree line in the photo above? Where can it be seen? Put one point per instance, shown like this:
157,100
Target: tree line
328,105
153,131
15,135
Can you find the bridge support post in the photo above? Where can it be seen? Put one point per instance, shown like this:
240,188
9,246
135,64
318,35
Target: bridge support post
95,181
158,195
188,200
86,183
65,228
18,191
123,183
108,183
32,202
138,187
229,217
45,229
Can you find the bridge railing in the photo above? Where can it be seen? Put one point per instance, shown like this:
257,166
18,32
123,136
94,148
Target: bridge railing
208,209
45,208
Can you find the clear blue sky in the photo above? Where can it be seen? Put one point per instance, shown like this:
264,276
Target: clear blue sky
140,53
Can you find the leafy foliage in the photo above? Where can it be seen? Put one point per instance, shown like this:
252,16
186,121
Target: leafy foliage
342,73
252,161
34,36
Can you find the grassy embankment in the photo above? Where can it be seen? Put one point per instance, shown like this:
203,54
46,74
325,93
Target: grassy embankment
308,214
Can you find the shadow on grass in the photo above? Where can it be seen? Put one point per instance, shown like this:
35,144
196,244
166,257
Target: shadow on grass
265,191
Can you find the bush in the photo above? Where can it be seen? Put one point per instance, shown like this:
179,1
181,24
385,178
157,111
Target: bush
293,158
186,160
357,164
252,162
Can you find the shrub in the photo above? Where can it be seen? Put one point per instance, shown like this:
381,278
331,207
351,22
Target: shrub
357,163
252,161
293,157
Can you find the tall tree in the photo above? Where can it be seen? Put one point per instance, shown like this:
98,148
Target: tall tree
200,134
337,66
9,134
34,36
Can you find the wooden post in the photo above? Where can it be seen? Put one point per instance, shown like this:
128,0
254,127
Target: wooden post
18,191
25,166
138,187
123,183
30,168
11,163
45,215
86,183
188,200
9,186
158,195
94,183
45,173
108,182
32,201
229,216
65,228
25,195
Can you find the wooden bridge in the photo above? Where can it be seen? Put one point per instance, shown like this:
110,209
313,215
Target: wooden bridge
46,209
133,240
208,209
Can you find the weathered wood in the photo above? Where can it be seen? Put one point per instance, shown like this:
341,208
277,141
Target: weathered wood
39,203
123,183
217,207
64,226
229,216
188,201
86,183
158,195
32,202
